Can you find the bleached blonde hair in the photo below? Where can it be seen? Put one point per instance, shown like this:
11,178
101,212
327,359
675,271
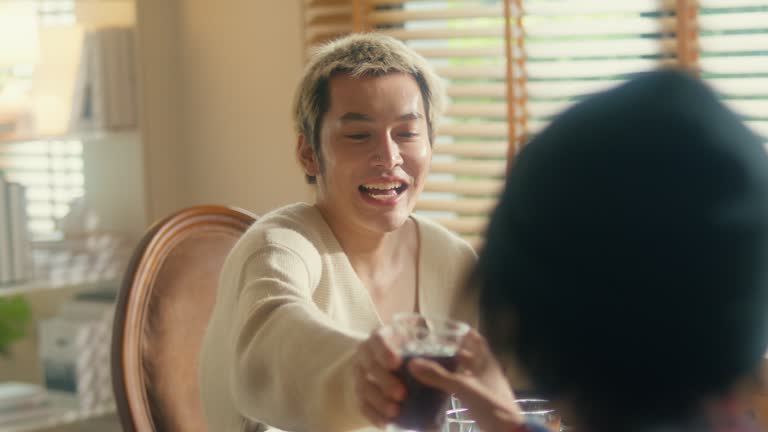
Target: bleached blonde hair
360,55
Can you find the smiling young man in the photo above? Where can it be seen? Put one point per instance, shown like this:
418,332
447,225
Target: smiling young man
288,343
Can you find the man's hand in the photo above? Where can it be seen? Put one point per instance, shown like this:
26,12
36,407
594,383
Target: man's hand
480,384
379,391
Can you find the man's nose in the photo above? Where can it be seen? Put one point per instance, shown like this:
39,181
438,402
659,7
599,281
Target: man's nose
387,154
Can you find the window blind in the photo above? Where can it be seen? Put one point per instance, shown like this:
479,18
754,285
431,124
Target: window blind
52,171
733,39
512,65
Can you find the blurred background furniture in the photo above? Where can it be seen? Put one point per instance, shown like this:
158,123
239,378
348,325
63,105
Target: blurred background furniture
163,308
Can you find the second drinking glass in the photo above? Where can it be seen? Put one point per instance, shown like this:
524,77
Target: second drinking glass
439,340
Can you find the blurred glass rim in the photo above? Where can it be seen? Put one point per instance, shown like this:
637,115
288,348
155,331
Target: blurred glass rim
452,416
534,406
426,324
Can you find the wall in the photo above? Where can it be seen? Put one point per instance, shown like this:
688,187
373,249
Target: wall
217,85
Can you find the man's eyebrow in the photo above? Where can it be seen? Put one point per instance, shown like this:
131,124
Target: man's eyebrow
411,116
353,116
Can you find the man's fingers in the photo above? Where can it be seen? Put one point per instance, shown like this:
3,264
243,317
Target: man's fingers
433,375
371,394
380,350
472,337
369,370
468,361
474,342
387,383
374,405
373,415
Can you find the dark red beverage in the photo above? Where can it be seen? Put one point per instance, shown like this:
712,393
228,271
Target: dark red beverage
424,407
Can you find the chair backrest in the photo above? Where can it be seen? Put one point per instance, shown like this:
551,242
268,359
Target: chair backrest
162,311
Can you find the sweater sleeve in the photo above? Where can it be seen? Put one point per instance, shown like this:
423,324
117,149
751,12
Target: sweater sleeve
291,366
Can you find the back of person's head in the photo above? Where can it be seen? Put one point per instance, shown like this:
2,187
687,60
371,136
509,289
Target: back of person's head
361,55
625,266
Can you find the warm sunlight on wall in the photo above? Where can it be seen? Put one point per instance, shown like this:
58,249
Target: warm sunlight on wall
105,13
217,87
54,78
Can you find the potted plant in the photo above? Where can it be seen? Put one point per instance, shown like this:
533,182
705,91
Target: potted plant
15,315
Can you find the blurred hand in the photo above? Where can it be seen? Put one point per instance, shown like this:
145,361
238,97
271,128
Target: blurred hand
379,391
477,361
480,384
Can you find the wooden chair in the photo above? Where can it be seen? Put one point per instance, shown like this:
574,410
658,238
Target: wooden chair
163,308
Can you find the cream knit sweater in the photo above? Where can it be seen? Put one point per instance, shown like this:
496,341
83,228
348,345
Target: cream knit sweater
289,314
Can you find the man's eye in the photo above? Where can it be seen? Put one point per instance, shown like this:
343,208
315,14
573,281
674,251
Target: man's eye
357,136
409,135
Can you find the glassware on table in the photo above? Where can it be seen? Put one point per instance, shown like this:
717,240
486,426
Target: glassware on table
540,411
414,335
458,420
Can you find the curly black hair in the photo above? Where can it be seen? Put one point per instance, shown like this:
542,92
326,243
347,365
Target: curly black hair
625,266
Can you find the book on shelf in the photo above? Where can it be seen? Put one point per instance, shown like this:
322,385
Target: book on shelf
14,418
6,263
74,347
21,258
22,401
75,356
15,252
15,394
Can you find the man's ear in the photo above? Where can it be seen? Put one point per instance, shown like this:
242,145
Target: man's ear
307,157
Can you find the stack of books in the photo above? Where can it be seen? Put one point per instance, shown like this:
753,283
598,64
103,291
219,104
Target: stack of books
15,252
75,349
20,402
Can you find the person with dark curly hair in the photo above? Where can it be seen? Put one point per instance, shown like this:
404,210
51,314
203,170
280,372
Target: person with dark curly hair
626,266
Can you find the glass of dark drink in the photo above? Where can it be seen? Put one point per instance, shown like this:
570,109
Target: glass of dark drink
414,335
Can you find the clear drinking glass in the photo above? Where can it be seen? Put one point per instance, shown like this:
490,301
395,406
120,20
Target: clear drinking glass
414,335
540,411
458,420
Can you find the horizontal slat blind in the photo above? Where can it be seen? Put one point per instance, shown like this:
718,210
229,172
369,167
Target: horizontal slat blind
465,40
559,51
575,48
326,19
52,171
734,56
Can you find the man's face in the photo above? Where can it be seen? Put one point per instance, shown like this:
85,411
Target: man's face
375,151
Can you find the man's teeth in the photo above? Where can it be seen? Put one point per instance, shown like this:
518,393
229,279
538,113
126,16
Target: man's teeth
383,186
382,191
382,197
